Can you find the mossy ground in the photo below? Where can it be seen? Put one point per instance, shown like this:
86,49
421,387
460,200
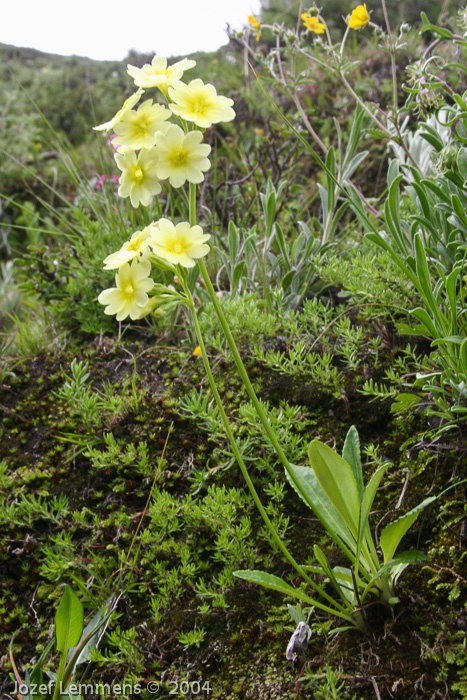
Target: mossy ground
417,651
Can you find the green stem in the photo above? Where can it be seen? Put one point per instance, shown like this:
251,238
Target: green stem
192,204
250,390
225,420
61,670
344,39
358,99
238,456
392,52
258,407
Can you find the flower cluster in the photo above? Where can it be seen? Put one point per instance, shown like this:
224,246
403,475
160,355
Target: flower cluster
149,148
179,244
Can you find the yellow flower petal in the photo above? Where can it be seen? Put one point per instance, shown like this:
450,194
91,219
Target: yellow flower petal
359,17
129,296
200,103
181,156
179,245
312,23
127,105
256,24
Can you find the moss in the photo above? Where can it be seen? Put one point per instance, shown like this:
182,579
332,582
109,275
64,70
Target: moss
179,564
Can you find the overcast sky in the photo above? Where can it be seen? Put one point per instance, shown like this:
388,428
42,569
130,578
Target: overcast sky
108,30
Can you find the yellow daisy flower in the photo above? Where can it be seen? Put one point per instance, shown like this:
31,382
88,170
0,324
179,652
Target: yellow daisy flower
200,103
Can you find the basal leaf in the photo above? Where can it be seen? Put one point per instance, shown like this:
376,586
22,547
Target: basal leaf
395,531
68,621
351,454
338,483
320,504
369,496
323,562
273,582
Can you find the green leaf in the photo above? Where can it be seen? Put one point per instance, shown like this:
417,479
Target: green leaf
85,652
234,242
88,641
338,482
282,244
395,531
66,693
272,582
354,164
366,552
331,177
369,496
36,672
287,279
404,401
313,495
351,454
323,562
462,162
405,329
422,272
425,318
68,621
434,141
397,565
240,271
440,31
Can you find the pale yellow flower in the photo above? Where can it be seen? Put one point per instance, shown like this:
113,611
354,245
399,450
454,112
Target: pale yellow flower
137,128
179,245
127,105
312,23
200,103
181,156
139,179
256,24
129,296
359,17
157,74
136,247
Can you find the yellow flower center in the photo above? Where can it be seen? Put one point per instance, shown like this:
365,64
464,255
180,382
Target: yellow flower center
177,247
141,127
135,245
200,105
139,174
128,289
178,158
